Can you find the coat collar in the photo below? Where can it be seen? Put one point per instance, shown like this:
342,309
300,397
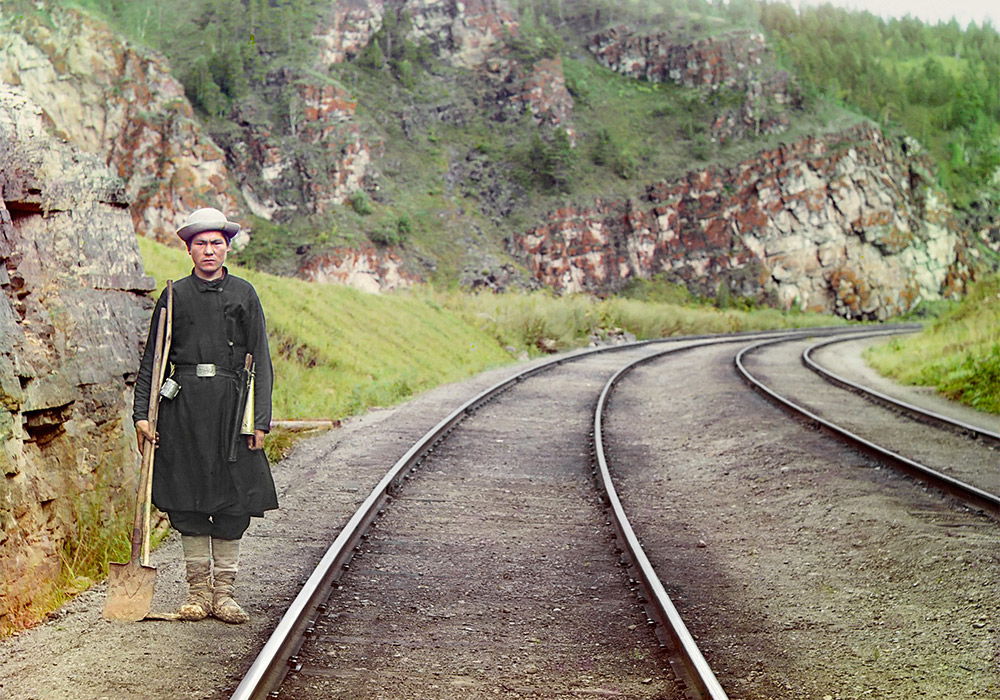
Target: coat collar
211,285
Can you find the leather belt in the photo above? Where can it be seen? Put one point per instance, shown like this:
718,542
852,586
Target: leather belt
204,369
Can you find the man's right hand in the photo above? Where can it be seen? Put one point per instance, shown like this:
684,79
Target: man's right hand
143,433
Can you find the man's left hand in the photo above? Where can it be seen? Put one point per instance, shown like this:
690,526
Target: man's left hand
256,441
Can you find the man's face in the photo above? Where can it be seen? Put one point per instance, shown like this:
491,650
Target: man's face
208,251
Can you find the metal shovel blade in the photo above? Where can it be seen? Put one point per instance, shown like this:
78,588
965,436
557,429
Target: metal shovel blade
130,591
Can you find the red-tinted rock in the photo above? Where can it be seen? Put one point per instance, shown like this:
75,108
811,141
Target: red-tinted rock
840,223
119,102
739,60
72,318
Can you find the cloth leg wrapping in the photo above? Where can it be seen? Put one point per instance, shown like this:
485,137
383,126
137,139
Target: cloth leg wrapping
198,563
226,557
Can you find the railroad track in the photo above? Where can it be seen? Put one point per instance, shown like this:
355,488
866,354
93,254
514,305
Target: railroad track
974,427
802,567
925,444
316,638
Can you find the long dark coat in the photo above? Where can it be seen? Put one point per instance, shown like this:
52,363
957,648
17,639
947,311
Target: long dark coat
214,322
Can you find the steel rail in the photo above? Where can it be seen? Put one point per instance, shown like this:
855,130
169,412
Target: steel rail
278,655
970,494
914,411
693,669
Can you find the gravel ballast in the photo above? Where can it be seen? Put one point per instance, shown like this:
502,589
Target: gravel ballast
787,551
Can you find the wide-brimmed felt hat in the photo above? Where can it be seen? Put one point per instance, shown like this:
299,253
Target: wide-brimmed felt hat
207,219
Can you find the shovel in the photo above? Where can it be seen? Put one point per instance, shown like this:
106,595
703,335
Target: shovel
130,585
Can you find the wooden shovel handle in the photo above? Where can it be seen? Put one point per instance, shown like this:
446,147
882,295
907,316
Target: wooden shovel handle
147,445
154,418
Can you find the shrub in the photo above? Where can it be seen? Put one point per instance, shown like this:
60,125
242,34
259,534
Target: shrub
360,203
549,163
392,232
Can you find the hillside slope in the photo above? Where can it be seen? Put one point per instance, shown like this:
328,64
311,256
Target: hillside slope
489,144
958,354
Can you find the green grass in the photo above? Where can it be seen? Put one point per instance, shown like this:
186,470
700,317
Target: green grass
958,353
537,320
338,351
101,530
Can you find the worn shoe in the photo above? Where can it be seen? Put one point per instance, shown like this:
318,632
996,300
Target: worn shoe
226,557
198,562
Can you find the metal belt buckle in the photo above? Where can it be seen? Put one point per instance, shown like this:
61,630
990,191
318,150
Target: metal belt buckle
204,370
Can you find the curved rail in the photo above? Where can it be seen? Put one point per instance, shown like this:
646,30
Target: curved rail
979,498
692,668
278,656
916,412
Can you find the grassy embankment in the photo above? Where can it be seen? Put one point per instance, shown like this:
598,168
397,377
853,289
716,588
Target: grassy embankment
958,353
338,351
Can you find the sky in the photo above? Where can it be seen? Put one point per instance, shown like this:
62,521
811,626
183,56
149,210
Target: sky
930,11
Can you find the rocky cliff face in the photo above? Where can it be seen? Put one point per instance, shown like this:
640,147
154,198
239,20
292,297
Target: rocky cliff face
347,28
277,178
465,33
738,61
121,104
462,33
368,269
538,89
845,223
72,316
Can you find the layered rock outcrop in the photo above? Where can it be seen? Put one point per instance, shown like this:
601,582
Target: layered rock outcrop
463,32
369,269
346,29
120,103
538,89
72,316
730,60
319,164
738,61
844,223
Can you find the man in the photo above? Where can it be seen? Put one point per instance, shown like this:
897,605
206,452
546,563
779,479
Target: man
217,320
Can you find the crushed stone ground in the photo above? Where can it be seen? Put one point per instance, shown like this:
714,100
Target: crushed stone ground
77,655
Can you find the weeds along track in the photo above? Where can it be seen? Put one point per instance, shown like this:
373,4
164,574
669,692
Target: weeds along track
947,454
